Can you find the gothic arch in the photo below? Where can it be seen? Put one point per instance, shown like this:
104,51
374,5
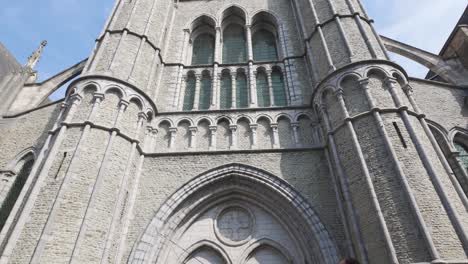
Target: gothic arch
251,183
204,244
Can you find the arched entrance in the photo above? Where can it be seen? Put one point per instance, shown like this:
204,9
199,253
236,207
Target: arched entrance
235,214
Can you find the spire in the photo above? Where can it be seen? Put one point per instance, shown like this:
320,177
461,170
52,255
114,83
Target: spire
34,58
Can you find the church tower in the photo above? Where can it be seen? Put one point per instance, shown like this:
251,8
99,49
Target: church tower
247,131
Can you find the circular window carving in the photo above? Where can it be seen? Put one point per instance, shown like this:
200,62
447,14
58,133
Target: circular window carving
234,225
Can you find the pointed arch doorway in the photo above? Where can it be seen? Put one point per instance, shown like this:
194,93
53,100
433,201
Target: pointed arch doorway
235,214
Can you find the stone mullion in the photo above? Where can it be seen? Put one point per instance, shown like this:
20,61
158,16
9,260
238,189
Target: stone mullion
172,137
295,127
270,88
213,131
41,167
196,100
251,76
234,89
214,105
48,227
253,128
122,192
233,143
180,97
345,186
363,164
274,129
427,163
364,83
193,137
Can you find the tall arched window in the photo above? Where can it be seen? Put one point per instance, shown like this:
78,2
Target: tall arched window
234,45
203,49
463,155
226,91
264,46
263,94
23,171
242,91
205,92
279,92
189,95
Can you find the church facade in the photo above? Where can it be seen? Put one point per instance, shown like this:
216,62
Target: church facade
237,132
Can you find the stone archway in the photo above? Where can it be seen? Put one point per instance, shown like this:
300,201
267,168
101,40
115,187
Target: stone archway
236,190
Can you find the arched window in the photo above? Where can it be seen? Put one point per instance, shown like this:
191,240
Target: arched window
205,92
189,95
23,171
263,94
279,92
234,45
242,91
226,91
203,49
264,46
463,155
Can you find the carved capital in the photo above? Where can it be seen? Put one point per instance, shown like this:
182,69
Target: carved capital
390,82
233,127
338,93
407,89
98,97
364,83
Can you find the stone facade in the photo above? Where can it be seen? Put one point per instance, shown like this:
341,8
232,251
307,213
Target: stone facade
356,159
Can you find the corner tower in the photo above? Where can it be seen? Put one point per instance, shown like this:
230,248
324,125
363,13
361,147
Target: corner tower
77,204
402,201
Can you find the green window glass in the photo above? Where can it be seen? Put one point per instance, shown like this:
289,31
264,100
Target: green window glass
226,91
263,94
203,49
189,95
242,91
234,45
205,93
463,156
15,191
264,46
278,88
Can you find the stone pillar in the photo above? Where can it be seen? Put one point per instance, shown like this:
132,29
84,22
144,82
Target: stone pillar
196,100
193,137
253,128
233,129
213,130
172,137
270,88
295,128
274,128
234,89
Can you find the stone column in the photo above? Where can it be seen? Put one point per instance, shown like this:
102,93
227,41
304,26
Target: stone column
270,88
193,137
213,130
295,128
234,89
233,129
253,128
172,132
196,100
274,128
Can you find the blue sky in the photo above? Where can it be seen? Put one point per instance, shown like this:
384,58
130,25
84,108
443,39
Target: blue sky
71,26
